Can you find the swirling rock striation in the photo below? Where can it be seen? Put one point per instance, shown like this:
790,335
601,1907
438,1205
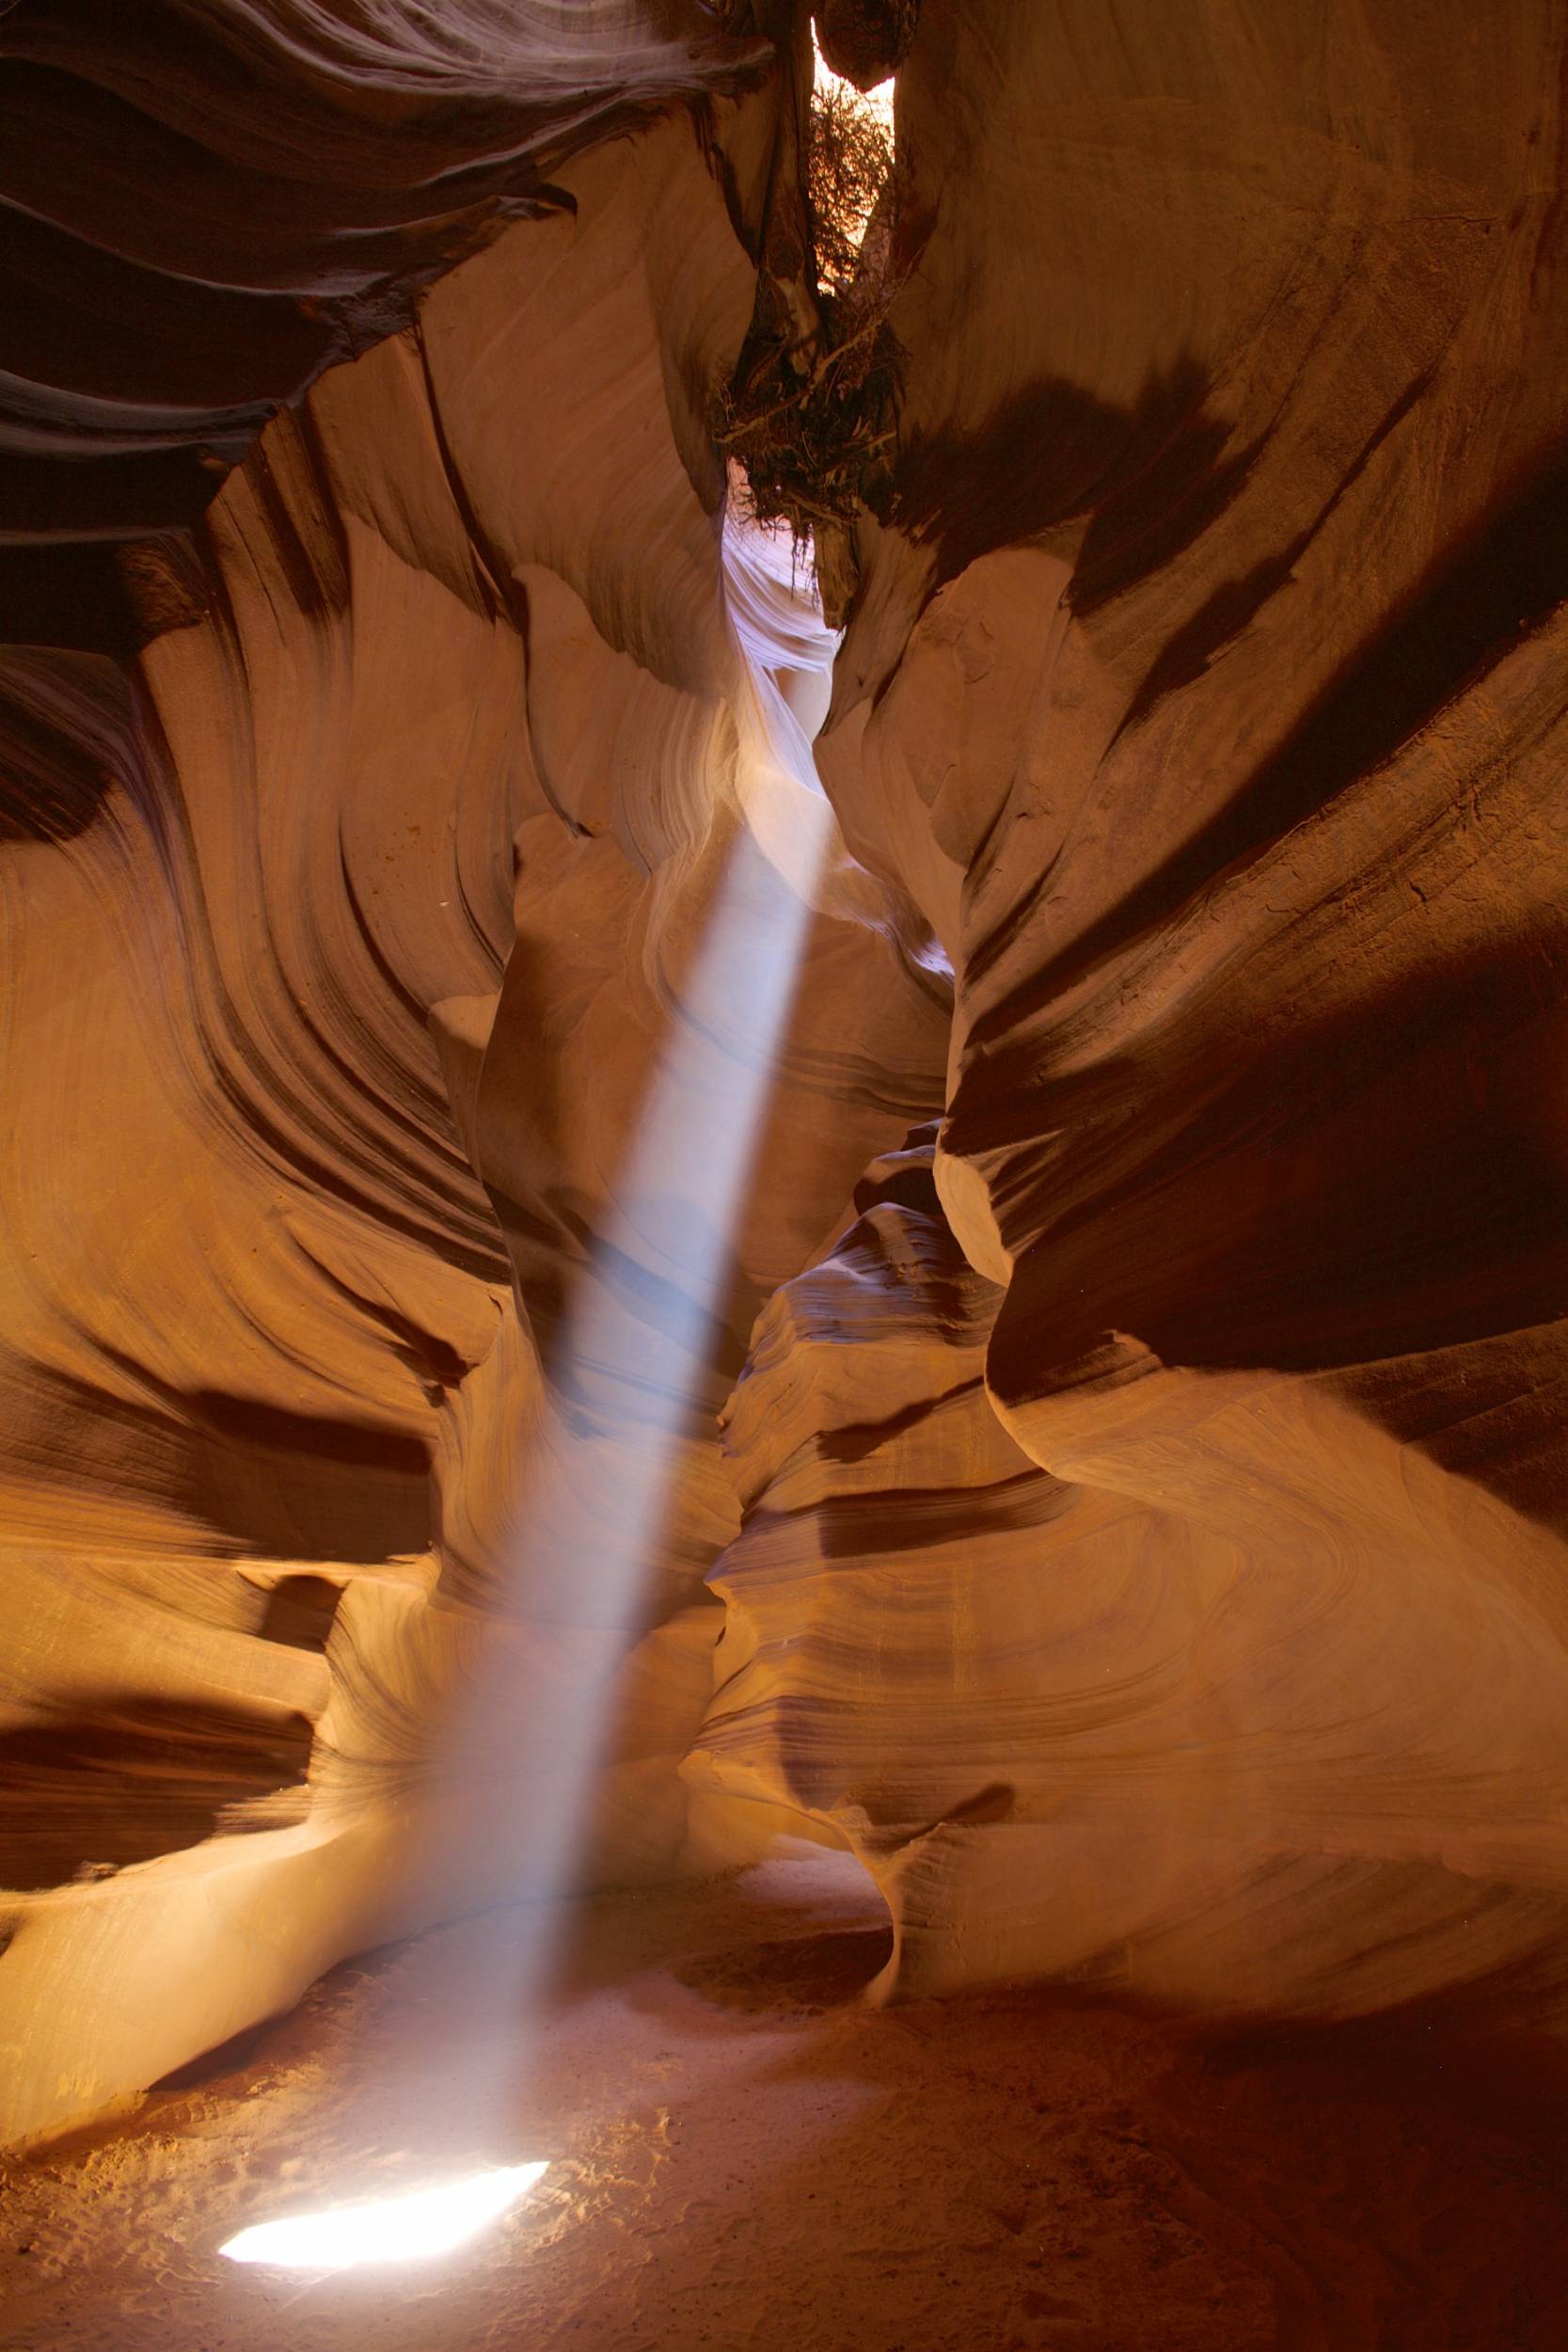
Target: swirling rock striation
203,205
1205,690
376,877
1137,1525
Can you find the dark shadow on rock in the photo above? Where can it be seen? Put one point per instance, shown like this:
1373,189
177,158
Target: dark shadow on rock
300,1486
91,1791
1150,478
812,1972
1478,600
68,737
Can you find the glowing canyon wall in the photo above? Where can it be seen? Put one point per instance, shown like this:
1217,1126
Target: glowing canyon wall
1122,1495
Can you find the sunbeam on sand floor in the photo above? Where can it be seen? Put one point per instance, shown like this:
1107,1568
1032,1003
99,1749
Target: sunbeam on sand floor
742,2154
411,2228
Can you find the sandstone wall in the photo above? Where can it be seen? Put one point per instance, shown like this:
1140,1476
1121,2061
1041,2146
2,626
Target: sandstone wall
1123,1492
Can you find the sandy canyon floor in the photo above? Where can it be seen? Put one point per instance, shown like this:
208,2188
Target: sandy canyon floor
742,2156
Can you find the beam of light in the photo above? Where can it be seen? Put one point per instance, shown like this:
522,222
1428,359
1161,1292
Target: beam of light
426,2223
638,1338
525,1754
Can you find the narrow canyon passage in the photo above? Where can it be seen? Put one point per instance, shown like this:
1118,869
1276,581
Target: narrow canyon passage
784,1197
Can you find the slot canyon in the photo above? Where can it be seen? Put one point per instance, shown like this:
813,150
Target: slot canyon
784,882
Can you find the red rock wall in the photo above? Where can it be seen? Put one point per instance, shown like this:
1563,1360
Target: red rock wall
348,922
1205,689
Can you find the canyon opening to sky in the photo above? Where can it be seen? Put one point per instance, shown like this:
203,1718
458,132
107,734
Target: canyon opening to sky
783,847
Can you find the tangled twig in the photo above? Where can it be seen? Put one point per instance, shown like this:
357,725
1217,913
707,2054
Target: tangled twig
812,425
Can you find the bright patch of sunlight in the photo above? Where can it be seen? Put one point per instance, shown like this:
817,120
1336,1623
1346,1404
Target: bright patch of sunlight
388,2229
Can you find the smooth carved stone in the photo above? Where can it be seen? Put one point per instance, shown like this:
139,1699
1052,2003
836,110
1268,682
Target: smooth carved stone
1108,1459
203,208
1205,690
377,877
865,40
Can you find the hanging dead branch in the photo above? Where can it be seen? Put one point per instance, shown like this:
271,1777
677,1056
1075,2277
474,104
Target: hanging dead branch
812,421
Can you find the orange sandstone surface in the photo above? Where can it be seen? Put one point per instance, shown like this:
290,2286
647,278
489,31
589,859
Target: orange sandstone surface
1115,1505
